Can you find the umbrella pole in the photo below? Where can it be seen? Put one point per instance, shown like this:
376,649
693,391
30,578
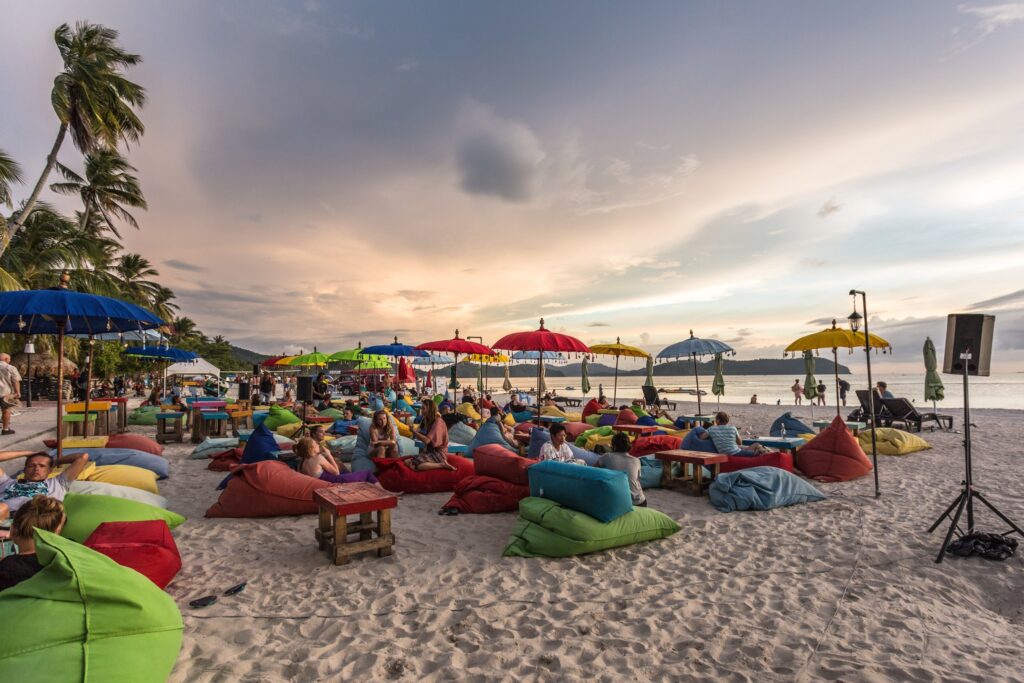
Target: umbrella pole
615,389
60,390
540,374
88,385
835,367
696,379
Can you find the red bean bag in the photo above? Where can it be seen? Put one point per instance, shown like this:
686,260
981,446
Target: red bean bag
136,441
833,455
495,461
395,474
626,417
225,461
646,445
147,547
484,495
780,459
267,489
524,427
574,429
591,408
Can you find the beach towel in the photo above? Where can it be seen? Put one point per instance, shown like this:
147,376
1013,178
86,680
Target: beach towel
760,488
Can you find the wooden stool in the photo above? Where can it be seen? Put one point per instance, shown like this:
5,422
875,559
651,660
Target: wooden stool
240,419
244,405
170,427
336,503
214,424
74,424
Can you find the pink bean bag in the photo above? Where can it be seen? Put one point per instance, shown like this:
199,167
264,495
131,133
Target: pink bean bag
498,462
147,547
395,474
780,459
267,489
135,441
483,495
646,445
524,427
626,417
833,455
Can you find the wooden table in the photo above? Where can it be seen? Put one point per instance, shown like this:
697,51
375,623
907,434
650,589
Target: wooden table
697,460
777,442
336,503
636,430
850,424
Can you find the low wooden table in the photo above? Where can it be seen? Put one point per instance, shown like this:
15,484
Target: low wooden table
636,430
121,405
336,503
697,461
777,442
852,425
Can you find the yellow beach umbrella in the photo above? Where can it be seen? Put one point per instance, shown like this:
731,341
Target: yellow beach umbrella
484,360
618,349
284,360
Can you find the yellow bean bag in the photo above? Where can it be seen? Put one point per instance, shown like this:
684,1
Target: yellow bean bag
598,440
553,411
509,420
681,433
403,429
121,475
468,410
289,429
83,442
891,441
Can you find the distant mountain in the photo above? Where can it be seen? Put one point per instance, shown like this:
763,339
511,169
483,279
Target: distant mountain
246,358
762,366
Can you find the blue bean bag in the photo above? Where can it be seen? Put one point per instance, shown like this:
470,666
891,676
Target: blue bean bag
693,442
261,446
522,416
600,493
361,461
760,488
650,472
488,434
341,426
461,433
606,420
793,426
259,417
646,421
122,456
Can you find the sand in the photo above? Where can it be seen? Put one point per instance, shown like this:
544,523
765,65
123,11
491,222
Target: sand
845,589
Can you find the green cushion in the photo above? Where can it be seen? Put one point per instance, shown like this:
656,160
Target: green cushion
546,529
86,619
79,417
280,416
143,417
332,412
86,512
592,420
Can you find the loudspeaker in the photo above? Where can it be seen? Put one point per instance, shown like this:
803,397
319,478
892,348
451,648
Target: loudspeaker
972,333
304,390
256,369
244,391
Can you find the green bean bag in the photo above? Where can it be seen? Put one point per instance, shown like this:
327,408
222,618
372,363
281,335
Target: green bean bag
582,439
86,619
280,416
87,511
546,529
592,420
144,415
332,412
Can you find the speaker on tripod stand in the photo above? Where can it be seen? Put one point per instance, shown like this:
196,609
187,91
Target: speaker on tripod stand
968,352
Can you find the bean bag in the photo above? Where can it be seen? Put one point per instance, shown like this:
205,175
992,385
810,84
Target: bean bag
278,417
341,426
889,441
145,416
509,420
646,421
361,461
343,446
79,442
461,433
395,474
122,456
546,529
650,472
793,426
407,446
760,488
211,445
664,422
582,439
524,427
780,459
606,420
596,440
134,441
494,461
484,495
575,429
626,417
287,429
259,417
147,547
833,455
554,411
522,416
225,461
403,429
117,491
86,512
332,412
639,411
121,475
541,436
469,411
646,445
693,442
85,619
593,419
267,489
602,494
488,434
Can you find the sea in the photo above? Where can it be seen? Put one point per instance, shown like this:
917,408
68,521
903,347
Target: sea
996,391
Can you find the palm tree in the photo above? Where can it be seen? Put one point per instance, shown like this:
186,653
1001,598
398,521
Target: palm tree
10,172
185,328
91,98
160,303
107,188
135,272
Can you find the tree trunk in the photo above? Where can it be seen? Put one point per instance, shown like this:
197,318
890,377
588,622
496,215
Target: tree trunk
51,161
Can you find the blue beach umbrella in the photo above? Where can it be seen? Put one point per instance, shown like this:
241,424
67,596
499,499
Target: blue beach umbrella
159,353
395,350
694,348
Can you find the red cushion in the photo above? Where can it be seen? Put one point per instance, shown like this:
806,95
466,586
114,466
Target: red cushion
626,417
833,455
500,463
225,461
574,429
147,547
780,459
591,408
483,495
645,445
267,489
395,474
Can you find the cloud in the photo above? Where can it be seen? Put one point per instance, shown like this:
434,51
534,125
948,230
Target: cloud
830,207
990,19
183,265
821,321
618,185
407,65
1004,301
555,305
497,157
598,325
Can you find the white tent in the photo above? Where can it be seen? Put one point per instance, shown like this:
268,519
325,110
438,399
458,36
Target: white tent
199,366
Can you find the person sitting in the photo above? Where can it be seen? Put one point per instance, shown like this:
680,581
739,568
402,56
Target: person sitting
39,512
486,402
594,406
753,400
383,436
177,404
450,417
619,459
434,436
558,449
507,433
153,399
36,480
315,462
727,438
882,390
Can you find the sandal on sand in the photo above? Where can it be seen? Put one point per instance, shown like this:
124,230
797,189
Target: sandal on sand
448,512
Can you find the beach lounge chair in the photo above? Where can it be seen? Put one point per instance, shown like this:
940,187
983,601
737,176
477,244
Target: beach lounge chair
902,410
652,398
881,418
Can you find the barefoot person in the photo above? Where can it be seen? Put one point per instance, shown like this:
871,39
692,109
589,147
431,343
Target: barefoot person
36,480
40,512
383,436
434,435
798,392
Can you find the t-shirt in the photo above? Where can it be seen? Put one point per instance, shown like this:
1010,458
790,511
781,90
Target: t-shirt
624,462
17,568
8,378
17,493
563,453
724,438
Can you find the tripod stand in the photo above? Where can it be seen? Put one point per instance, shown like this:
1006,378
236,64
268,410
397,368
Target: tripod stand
967,493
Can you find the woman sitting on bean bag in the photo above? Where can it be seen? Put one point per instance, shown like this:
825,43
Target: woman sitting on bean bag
322,465
434,435
383,436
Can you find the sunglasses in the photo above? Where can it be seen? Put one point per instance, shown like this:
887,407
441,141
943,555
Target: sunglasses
210,599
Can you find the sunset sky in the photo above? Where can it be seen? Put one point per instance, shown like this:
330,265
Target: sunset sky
326,173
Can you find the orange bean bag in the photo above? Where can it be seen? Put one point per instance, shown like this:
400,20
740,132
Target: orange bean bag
780,459
495,461
136,441
574,429
833,455
626,417
395,474
147,547
484,495
267,489
646,445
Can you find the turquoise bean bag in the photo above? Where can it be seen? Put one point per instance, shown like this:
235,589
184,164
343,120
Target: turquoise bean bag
760,488
602,494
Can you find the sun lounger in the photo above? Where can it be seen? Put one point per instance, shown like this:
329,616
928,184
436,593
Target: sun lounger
881,418
902,410
652,398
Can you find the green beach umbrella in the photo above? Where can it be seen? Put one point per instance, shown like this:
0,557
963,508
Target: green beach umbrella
453,383
718,385
810,384
310,359
585,376
649,382
933,388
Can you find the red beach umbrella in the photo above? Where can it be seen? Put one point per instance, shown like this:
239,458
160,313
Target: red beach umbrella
405,374
456,346
541,340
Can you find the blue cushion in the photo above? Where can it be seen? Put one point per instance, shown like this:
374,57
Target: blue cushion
260,446
602,494
122,456
361,461
793,426
522,416
760,488
650,472
488,434
259,417
646,421
214,416
693,442
606,420
538,437
461,433
589,457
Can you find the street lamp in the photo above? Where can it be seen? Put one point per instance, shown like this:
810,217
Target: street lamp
30,348
855,319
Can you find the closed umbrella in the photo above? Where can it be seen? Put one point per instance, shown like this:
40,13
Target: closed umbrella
810,383
618,349
718,384
933,387
480,378
453,383
649,382
585,376
507,382
695,348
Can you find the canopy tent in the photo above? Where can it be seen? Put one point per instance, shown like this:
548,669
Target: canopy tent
199,366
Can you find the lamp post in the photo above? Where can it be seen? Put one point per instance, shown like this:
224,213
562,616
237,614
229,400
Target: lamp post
855,319
30,348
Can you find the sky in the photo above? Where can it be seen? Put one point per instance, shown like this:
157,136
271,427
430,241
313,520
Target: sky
327,173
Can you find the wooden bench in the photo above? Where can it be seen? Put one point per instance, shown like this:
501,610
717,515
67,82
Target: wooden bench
697,461
336,503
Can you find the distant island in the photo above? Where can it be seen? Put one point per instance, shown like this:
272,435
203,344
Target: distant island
761,366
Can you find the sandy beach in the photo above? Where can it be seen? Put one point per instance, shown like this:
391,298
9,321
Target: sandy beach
844,589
